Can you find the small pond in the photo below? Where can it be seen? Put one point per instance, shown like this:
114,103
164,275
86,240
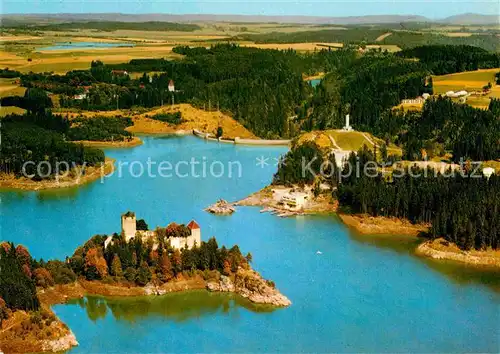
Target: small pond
85,45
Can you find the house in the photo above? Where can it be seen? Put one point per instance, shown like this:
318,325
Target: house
294,200
457,94
418,100
171,87
179,236
83,95
119,72
80,96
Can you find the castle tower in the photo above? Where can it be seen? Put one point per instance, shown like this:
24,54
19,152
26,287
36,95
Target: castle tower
195,234
129,227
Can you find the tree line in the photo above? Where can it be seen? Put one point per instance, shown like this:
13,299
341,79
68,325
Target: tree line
462,207
261,88
41,137
364,88
100,128
107,26
443,125
448,59
133,262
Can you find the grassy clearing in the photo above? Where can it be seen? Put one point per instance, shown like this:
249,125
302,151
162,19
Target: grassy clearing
5,111
351,141
193,118
410,106
469,80
9,88
63,61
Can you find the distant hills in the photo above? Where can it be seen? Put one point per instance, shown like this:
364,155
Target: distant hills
464,19
471,19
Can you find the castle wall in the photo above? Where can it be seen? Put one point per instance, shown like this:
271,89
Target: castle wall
195,238
129,227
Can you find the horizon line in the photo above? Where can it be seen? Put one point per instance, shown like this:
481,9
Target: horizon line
245,15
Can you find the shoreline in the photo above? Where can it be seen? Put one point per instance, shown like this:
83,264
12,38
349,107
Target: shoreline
265,294
323,204
368,225
135,141
441,249
371,225
245,282
11,182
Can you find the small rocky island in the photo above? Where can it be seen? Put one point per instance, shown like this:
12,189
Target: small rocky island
221,207
136,262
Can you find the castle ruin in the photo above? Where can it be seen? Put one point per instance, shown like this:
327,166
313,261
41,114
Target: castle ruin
129,232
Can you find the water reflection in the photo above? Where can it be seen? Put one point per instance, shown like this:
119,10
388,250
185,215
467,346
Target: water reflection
60,194
178,307
459,273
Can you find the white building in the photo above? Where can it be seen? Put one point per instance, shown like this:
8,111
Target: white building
80,96
488,172
129,232
294,200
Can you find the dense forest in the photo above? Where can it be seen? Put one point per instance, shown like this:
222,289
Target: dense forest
448,59
23,142
40,137
17,284
139,263
336,35
409,39
100,129
366,35
264,90
443,125
261,88
132,263
443,201
364,88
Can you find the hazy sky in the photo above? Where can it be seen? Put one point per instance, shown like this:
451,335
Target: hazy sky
432,9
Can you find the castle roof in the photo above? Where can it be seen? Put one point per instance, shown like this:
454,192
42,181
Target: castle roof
193,225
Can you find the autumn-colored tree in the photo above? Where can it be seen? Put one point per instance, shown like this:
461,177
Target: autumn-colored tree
165,270
27,270
23,255
3,311
177,262
153,257
5,246
116,266
43,278
227,267
95,265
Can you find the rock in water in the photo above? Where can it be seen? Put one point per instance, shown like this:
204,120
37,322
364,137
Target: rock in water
61,344
221,207
249,284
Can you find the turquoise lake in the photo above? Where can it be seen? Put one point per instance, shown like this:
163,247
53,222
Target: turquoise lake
314,82
85,45
362,294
